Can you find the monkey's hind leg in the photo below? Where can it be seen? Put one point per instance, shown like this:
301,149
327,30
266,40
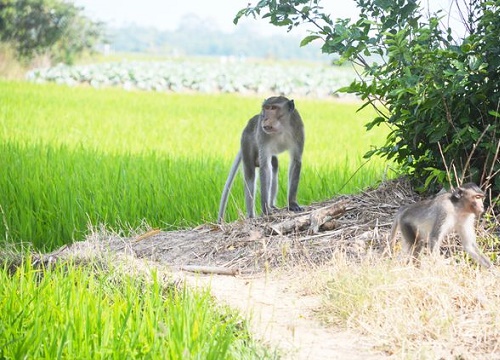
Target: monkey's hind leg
412,242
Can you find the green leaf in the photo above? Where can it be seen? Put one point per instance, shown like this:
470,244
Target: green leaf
375,122
494,113
308,39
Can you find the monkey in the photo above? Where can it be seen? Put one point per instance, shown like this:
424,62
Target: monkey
430,220
276,129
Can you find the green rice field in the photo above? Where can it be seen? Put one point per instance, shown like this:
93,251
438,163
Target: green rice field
103,311
74,158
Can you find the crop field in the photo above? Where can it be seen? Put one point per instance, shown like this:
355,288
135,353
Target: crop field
226,75
75,158
102,310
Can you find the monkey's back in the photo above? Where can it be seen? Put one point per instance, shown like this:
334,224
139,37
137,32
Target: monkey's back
249,142
426,215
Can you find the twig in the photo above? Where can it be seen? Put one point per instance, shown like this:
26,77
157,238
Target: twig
445,165
495,158
210,270
147,235
353,174
472,153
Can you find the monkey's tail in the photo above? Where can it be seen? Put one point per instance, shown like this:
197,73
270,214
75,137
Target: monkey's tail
227,187
392,237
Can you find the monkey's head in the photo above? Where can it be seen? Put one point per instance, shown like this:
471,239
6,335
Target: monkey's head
469,197
275,111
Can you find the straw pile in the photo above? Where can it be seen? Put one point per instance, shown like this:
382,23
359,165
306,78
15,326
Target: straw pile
353,223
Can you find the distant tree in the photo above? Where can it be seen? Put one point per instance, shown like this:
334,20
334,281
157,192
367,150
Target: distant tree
185,40
439,95
53,27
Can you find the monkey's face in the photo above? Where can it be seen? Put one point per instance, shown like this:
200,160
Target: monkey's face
469,197
475,201
272,117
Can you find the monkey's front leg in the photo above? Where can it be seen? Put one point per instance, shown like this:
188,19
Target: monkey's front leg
293,184
467,235
475,253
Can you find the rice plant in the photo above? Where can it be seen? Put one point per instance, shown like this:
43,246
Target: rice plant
74,157
97,311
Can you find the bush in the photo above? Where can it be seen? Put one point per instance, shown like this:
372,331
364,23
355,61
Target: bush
438,95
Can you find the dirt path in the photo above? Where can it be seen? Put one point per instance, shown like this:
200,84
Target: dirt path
281,317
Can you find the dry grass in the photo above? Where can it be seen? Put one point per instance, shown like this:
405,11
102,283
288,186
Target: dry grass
436,311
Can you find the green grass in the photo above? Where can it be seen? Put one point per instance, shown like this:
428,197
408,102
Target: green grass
75,158
92,311
78,189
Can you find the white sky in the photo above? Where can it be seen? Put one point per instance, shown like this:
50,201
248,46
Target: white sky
166,14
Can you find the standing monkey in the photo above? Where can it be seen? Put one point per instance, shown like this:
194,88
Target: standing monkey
276,129
430,220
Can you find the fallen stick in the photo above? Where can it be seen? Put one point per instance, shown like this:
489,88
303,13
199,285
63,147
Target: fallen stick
210,270
147,235
319,219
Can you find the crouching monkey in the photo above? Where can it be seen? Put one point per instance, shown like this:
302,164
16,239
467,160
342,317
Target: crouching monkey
276,129
430,220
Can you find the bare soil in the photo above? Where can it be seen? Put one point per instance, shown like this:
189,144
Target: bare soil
260,266
282,317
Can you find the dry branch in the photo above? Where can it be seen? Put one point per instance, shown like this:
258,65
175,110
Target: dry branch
210,270
148,234
318,220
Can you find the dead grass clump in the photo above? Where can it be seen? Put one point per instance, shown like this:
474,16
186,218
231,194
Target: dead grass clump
435,311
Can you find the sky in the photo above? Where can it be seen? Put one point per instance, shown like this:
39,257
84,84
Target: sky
167,14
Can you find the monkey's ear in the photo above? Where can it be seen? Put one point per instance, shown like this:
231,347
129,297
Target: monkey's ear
291,105
456,193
